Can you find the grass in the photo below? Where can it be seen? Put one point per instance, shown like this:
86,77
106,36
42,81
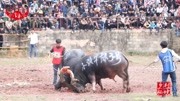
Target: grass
132,53
23,62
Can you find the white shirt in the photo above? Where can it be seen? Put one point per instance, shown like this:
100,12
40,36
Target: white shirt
33,38
9,24
159,9
163,51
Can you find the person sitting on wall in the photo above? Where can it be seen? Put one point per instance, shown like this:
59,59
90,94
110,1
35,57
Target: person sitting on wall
24,26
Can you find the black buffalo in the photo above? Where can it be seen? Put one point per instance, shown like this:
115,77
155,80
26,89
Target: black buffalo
72,56
92,68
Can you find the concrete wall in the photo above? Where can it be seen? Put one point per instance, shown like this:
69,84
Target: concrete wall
136,40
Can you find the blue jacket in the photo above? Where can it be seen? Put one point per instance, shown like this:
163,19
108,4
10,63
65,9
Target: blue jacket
167,61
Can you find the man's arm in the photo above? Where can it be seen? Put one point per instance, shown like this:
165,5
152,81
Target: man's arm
156,60
175,55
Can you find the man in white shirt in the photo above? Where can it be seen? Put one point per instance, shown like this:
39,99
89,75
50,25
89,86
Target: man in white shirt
33,44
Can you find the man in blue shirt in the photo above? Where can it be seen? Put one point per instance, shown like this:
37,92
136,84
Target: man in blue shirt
166,57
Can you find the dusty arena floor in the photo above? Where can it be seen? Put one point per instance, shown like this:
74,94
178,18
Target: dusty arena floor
24,79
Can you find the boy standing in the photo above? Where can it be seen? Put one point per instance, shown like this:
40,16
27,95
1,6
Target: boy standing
166,57
57,52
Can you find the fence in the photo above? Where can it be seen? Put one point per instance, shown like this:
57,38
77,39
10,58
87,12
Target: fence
13,45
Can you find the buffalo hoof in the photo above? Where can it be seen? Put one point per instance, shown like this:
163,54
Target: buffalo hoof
94,91
128,90
103,89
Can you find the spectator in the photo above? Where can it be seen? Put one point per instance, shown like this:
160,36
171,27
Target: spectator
16,27
33,36
117,8
83,24
177,27
2,30
32,11
124,10
73,11
75,25
172,11
131,11
102,22
123,20
158,25
177,12
1,12
8,26
152,26
65,9
159,10
81,8
165,11
24,26
34,5
147,23
164,23
127,22
34,23
152,10
119,22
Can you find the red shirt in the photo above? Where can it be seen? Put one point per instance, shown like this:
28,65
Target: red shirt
57,55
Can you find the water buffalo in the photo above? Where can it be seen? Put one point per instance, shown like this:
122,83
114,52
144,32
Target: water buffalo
72,56
92,68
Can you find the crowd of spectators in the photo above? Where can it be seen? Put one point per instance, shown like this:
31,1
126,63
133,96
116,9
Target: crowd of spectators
93,14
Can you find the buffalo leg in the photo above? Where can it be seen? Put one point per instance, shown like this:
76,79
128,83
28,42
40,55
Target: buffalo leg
125,77
93,81
100,84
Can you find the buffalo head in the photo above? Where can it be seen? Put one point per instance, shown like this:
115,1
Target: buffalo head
67,80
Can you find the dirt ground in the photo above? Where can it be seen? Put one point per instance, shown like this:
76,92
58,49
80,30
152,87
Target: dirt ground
24,79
